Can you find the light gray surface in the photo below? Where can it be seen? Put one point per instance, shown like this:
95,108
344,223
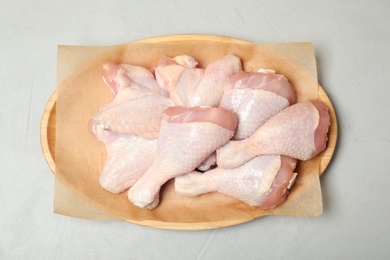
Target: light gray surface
351,40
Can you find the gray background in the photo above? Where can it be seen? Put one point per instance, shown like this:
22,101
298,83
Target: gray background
351,40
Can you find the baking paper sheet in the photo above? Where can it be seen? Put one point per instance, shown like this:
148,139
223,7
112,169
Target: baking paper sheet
80,158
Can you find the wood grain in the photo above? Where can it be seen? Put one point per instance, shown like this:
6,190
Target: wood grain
48,132
327,154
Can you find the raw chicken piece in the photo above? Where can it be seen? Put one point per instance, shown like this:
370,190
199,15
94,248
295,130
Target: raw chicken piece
187,137
140,116
122,76
178,76
138,101
169,72
263,181
184,60
128,157
299,131
265,79
256,97
209,163
128,82
211,86
186,87
191,87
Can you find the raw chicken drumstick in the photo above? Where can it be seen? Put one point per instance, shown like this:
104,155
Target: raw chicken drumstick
256,97
128,157
187,137
299,131
263,181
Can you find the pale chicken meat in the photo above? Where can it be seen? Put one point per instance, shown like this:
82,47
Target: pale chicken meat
263,181
140,116
265,79
126,76
187,137
128,82
209,163
138,102
192,87
186,87
210,88
299,131
256,97
177,75
127,158
183,60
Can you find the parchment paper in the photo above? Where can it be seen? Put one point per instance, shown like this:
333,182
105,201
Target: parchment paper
80,158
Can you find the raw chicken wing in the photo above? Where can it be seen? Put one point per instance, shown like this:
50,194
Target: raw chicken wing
191,87
125,76
177,74
211,86
140,116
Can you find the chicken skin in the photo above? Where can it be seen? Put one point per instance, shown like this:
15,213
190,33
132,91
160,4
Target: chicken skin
187,137
299,131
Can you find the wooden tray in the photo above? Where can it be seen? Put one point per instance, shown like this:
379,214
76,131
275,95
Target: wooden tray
48,128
